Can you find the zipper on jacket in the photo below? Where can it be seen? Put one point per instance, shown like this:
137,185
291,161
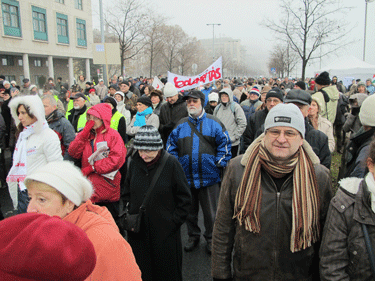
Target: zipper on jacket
276,232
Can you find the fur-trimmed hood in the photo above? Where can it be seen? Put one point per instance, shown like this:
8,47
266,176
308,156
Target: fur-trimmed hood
36,108
351,185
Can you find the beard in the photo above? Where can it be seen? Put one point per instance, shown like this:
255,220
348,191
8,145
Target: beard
194,111
76,107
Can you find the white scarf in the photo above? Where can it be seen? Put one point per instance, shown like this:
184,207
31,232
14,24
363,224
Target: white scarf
18,172
371,187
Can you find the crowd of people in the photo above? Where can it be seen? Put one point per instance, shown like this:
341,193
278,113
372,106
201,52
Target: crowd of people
125,165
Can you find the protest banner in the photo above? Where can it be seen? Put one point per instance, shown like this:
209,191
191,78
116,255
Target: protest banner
212,73
157,84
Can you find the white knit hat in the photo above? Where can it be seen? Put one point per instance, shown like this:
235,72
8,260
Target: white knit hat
366,113
169,90
66,178
213,97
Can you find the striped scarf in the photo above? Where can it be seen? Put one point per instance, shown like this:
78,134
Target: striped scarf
305,202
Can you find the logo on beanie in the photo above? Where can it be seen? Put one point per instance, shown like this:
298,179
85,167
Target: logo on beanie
282,119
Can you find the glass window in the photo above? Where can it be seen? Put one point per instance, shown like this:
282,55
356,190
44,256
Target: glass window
39,23
78,4
38,62
81,32
20,62
11,18
4,61
62,28
60,1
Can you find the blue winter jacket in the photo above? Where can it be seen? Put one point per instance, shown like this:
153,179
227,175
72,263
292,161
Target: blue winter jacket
200,161
206,92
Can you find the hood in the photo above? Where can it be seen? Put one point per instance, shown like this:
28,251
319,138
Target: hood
36,108
80,219
228,92
332,92
102,111
351,185
360,98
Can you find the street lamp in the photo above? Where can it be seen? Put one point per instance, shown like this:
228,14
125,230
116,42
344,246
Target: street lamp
213,39
364,41
105,78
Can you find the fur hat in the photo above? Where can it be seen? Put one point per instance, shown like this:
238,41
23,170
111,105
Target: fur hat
36,108
55,249
366,113
169,90
323,79
75,186
285,115
148,138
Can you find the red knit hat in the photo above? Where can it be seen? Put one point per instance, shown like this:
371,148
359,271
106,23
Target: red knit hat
39,247
91,90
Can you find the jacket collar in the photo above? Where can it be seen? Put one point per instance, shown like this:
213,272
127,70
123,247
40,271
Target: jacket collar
362,207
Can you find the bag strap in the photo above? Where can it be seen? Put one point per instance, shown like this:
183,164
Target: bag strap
369,250
202,138
154,179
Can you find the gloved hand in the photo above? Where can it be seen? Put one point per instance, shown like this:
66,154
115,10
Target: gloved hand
87,170
85,133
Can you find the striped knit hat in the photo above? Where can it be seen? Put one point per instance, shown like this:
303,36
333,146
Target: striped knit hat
148,138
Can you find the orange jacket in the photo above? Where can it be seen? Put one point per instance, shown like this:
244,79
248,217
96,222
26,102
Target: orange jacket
114,256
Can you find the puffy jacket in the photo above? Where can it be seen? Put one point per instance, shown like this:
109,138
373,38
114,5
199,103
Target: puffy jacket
328,98
232,116
105,188
200,160
343,254
267,255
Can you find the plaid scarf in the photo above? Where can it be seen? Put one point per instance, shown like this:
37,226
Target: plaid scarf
305,202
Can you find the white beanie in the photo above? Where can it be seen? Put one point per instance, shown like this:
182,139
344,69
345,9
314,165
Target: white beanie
366,113
66,178
169,90
213,97
119,93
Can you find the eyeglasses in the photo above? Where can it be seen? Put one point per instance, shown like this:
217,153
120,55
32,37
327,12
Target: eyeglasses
275,101
288,134
192,101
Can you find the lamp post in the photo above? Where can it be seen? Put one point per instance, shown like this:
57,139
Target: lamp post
364,40
105,78
213,39
233,55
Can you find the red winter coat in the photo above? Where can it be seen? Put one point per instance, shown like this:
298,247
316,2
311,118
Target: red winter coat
105,189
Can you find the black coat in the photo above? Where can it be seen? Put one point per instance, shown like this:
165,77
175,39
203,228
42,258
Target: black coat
254,123
157,248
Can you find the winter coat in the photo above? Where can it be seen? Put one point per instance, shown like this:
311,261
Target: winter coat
77,120
249,107
326,127
101,91
232,116
266,255
352,123
254,124
3,132
343,254
169,116
328,98
353,160
64,131
151,119
5,112
106,190
114,256
157,108
122,109
94,99
157,247
200,159
130,101
342,109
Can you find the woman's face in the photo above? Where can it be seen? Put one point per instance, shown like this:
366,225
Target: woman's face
314,109
98,122
118,98
24,117
47,202
148,155
155,99
147,92
141,107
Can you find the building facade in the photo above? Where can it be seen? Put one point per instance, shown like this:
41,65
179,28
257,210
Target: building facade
41,38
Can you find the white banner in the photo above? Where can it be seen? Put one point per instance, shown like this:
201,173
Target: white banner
212,73
157,84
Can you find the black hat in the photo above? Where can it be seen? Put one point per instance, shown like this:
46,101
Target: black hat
323,79
275,93
196,95
88,83
148,138
78,95
301,84
114,86
25,80
299,96
2,77
145,100
110,100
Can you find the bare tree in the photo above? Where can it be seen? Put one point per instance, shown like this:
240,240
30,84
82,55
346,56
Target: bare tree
310,24
173,41
283,59
188,53
127,19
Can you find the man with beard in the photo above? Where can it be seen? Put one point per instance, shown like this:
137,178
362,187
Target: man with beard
202,145
77,115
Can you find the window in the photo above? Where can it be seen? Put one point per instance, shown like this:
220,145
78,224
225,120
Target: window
60,1
38,62
78,4
39,23
81,32
11,18
10,78
62,28
20,62
7,60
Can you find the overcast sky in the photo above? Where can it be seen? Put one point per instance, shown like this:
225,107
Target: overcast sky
240,19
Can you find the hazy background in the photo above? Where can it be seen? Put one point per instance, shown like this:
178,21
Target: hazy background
241,19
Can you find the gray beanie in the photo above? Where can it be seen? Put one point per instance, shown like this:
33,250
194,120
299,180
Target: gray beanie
286,115
148,138
366,113
169,90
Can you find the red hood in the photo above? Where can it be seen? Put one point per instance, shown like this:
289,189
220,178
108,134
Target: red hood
102,111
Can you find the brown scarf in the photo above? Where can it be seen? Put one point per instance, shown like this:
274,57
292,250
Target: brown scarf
305,202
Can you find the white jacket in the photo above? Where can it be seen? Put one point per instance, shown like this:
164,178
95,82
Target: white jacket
326,127
122,109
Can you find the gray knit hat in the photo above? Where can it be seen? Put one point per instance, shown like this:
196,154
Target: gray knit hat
285,115
148,138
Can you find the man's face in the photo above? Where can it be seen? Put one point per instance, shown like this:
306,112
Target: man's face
286,79
101,83
88,86
7,86
114,81
27,84
194,106
81,78
240,88
253,96
362,89
271,102
78,103
112,91
48,108
173,99
303,107
282,142
224,98
368,83
124,87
